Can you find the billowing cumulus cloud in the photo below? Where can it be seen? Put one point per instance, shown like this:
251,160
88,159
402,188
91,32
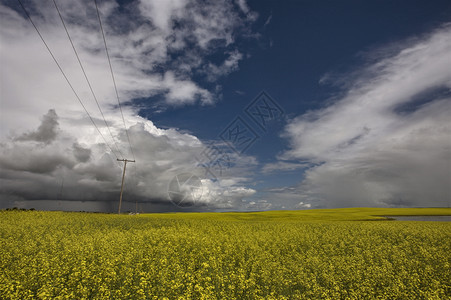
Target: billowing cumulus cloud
49,148
386,141
71,169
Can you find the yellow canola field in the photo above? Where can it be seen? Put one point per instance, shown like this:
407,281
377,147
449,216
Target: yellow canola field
315,254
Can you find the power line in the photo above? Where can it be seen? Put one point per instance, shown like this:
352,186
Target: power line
114,81
86,77
119,104
65,77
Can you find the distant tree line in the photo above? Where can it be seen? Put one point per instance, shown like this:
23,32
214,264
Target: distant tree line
18,209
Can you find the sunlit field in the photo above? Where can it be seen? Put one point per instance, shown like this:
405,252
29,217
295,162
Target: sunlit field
315,254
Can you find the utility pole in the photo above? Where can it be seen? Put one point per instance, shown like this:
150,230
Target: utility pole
123,177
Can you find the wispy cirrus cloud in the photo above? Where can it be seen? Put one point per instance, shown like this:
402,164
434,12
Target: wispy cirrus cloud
213,72
387,139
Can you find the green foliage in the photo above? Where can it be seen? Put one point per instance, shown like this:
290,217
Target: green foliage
315,254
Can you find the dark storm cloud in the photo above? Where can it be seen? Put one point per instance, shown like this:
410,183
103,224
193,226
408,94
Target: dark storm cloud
66,171
15,155
42,162
46,132
81,154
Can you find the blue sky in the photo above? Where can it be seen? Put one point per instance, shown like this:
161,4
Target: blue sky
363,87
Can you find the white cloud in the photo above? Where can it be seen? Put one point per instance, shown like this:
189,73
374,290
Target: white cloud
283,166
219,195
182,92
303,205
229,65
154,52
387,140
258,205
162,12
243,6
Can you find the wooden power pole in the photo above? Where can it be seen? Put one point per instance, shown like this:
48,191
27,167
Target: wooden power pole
122,185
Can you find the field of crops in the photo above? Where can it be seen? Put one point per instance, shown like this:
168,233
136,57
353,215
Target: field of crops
316,254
